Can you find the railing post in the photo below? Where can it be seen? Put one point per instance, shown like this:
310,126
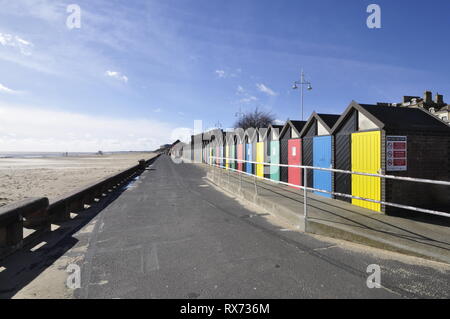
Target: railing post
305,199
240,181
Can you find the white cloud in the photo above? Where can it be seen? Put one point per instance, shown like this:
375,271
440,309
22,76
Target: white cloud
228,73
42,130
220,73
248,99
158,110
279,122
4,89
182,133
45,10
262,88
117,75
14,41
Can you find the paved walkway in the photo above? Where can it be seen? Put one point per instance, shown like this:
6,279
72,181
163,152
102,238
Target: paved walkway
172,235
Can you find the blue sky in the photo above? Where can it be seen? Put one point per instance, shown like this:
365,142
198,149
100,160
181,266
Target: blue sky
138,73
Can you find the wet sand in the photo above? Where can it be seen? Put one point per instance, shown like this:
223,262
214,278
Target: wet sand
22,178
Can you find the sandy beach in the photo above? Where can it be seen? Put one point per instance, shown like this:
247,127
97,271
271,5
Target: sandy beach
21,178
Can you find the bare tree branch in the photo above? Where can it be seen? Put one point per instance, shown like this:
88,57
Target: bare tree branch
255,119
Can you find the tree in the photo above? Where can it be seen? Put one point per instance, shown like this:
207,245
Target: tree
255,119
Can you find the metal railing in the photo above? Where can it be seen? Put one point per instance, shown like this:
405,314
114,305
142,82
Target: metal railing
312,168
38,213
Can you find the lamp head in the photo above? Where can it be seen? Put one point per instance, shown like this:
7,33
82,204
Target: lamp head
309,87
294,87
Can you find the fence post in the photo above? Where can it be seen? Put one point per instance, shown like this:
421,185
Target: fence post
305,199
240,181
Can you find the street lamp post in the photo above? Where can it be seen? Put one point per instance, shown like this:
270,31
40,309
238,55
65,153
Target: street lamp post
302,83
239,114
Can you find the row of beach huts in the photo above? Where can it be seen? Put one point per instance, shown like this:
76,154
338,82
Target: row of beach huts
376,139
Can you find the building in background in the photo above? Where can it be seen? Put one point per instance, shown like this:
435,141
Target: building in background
435,106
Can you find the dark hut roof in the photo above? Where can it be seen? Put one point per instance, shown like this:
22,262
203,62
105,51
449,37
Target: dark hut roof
276,126
298,125
405,118
266,132
391,117
252,134
329,119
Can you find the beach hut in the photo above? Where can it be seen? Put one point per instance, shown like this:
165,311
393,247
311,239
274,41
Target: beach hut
206,152
206,147
261,150
318,150
291,152
230,150
223,149
250,139
233,142
217,152
240,149
396,141
273,151
214,139
197,148
227,151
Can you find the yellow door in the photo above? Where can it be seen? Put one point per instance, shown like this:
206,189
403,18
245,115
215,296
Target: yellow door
227,156
366,158
260,159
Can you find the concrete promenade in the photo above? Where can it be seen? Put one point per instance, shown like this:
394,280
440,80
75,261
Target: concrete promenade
170,234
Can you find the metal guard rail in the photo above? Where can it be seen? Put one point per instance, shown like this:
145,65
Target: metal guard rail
306,188
38,213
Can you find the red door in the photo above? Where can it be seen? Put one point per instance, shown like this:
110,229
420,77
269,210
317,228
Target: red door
240,153
295,158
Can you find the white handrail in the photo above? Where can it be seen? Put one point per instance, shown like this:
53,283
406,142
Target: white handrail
409,179
419,180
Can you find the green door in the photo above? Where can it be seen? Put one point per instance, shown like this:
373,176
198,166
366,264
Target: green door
232,155
275,159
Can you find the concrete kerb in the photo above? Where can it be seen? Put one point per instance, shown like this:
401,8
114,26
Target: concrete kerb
330,230
316,224
253,196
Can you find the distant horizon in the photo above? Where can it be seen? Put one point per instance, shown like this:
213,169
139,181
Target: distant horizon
6,154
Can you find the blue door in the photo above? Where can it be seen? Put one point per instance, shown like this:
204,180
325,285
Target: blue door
248,157
322,158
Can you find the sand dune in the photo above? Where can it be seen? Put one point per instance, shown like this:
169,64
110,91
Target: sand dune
21,178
